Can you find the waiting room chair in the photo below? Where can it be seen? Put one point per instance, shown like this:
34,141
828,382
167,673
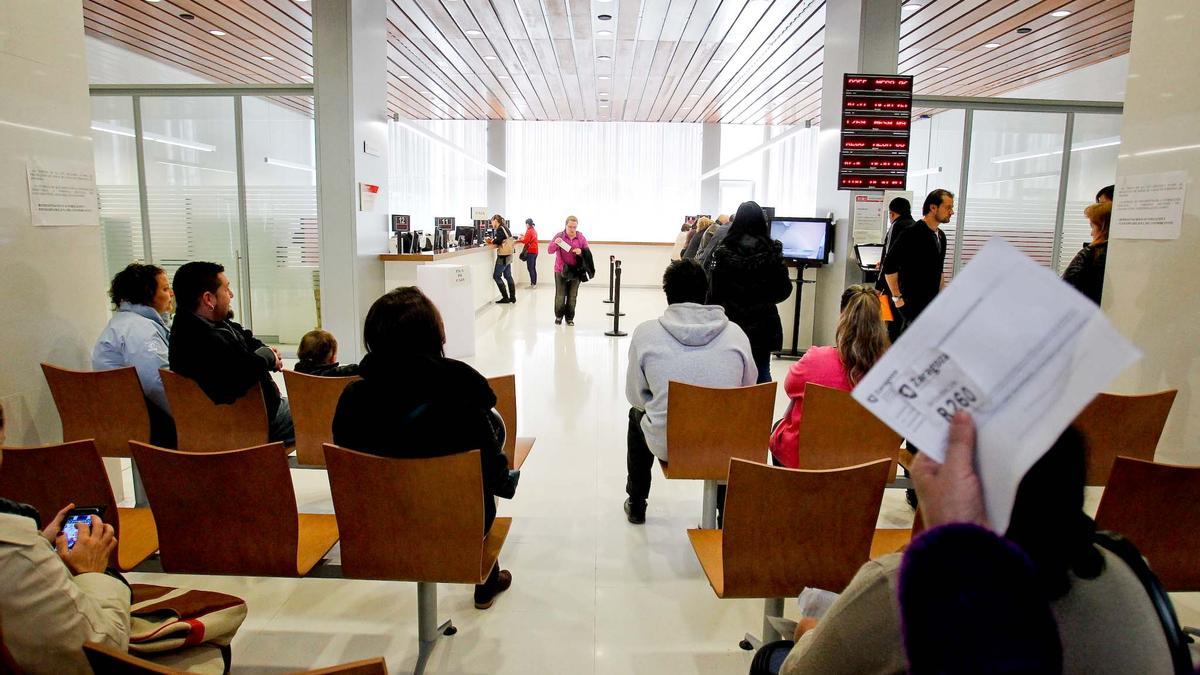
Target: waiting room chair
431,511
836,431
1155,507
232,512
204,426
789,529
516,447
313,400
105,660
1129,426
700,444
51,476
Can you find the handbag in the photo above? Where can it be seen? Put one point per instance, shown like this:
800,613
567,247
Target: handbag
523,256
507,246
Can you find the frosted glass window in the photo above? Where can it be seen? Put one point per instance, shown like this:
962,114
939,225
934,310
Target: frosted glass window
1094,148
430,180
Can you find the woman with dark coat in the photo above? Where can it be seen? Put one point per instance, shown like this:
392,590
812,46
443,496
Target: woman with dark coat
1086,271
413,402
749,278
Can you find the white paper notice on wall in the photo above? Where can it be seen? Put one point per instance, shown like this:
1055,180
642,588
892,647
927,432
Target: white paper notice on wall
868,218
478,213
61,192
1149,206
367,194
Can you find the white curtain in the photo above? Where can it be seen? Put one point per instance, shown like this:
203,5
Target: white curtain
792,173
428,179
625,181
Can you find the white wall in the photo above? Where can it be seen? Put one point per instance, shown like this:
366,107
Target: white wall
53,291
1147,287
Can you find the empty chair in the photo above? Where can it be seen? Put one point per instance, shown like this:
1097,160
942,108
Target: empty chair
1154,506
204,426
699,447
313,400
105,660
516,447
231,512
432,513
51,476
788,529
106,406
1129,426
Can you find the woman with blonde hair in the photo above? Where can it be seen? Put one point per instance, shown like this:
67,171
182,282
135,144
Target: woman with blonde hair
862,339
1086,271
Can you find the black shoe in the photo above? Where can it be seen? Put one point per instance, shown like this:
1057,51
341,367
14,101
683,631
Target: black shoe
503,301
558,321
513,299
910,496
635,512
570,322
485,594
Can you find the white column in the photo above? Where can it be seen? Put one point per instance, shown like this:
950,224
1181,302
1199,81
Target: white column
861,36
497,148
1147,283
350,62
710,158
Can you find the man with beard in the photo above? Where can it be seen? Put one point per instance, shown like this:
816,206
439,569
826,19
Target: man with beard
913,266
225,359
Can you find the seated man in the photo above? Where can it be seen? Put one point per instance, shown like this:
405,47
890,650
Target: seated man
137,335
225,359
52,599
692,343
318,356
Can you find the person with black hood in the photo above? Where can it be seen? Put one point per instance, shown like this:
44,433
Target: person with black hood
412,402
900,217
749,279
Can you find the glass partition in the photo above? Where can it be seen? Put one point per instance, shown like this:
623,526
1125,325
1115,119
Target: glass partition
115,152
1094,146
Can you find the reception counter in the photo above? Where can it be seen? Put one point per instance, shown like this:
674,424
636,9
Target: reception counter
400,269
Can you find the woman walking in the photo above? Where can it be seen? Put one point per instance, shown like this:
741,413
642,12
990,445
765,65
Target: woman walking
505,245
568,248
529,250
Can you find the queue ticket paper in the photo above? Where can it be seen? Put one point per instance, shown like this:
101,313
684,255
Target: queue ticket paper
1011,344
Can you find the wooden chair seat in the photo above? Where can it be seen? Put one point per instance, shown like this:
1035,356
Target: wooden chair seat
231,512
889,540
517,448
204,426
708,546
313,400
51,476
107,406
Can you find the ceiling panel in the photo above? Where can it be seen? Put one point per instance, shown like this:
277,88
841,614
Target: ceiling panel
730,61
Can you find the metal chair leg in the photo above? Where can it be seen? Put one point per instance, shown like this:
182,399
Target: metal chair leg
708,516
771,607
139,491
428,630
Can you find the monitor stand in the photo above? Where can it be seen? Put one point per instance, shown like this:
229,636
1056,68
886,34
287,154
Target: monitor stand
795,353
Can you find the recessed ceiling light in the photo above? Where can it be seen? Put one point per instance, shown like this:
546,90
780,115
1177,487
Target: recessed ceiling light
489,57
1024,30
693,95
504,77
474,33
152,0
604,17
268,58
405,77
804,83
941,68
1060,13
187,17
218,33
910,7
426,93
604,33
604,77
603,58
991,45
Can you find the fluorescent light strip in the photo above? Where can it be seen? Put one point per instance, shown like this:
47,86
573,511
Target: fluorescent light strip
289,165
193,166
1102,143
1160,151
52,132
420,131
157,138
925,172
750,153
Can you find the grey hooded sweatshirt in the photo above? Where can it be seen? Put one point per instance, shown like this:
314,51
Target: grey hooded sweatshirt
690,343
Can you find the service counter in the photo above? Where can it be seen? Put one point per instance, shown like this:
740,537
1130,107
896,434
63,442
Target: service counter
400,269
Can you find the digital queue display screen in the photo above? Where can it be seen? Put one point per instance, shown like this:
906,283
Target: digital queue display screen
876,122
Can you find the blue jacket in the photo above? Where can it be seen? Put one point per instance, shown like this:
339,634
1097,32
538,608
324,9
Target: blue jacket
136,336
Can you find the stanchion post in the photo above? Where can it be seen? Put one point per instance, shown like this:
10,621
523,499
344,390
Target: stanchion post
612,265
616,313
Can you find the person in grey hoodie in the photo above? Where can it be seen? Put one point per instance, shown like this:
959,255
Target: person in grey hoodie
691,342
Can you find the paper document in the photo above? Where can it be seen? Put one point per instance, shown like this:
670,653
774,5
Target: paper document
1011,344
563,244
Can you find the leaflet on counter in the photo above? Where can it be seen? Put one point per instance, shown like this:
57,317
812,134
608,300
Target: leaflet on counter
1013,345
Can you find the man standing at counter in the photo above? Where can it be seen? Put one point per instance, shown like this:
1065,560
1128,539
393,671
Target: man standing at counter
913,266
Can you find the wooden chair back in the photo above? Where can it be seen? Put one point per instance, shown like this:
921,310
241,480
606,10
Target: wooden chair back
229,512
105,660
706,427
836,431
505,388
1155,507
313,400
204,426
787,529
408,519
107,406
1129,426
51,476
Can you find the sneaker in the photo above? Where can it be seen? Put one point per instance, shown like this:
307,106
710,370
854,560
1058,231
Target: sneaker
558,321
485,595
635,512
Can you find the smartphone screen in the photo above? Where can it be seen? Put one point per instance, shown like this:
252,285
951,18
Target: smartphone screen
76,517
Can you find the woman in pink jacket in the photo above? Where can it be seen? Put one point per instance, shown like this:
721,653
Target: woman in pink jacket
861,339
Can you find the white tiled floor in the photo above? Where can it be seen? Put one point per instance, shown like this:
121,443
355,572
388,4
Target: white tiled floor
591,593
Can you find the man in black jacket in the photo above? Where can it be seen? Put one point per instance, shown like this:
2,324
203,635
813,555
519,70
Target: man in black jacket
225,359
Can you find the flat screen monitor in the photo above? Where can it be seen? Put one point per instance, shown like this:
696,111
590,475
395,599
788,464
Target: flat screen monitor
400,223
869,255
805,240
465,235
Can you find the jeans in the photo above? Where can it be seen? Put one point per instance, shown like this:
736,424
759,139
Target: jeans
565,291
504,269
281,427
531,265
638,459
763,361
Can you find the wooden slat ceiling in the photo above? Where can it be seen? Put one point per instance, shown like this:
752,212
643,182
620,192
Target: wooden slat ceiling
729,61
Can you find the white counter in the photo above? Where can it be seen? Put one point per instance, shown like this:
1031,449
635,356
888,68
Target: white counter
401,270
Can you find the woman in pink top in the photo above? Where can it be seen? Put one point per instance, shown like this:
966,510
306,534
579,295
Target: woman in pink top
567,245
861,339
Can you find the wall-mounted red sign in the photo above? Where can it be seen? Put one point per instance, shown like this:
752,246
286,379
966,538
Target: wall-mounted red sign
876,120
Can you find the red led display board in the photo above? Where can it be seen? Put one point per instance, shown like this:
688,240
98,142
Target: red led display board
876,120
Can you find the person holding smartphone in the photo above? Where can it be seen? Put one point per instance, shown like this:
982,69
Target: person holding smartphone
53,597
568,246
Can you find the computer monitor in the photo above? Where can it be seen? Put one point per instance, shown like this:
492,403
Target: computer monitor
465,235
805,240
400,223
869,255
769,212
